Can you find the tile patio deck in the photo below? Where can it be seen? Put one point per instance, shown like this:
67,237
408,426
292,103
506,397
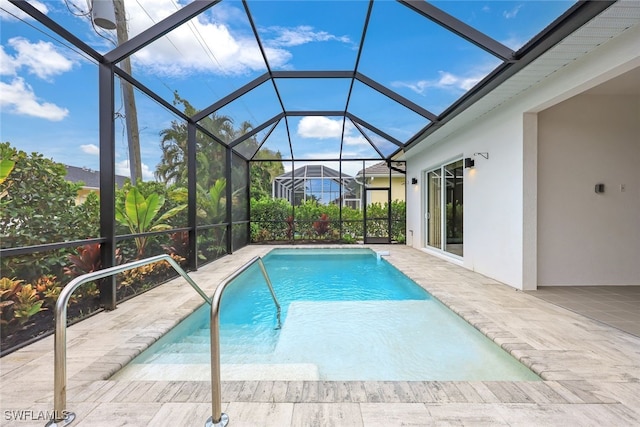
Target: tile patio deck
591,371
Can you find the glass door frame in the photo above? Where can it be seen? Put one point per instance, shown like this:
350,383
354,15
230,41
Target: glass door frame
375,239
440,170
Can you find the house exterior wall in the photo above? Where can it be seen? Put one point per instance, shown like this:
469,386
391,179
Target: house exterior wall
500,237
586,238
397,189
492,195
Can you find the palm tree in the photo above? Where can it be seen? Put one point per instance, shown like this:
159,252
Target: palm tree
210,157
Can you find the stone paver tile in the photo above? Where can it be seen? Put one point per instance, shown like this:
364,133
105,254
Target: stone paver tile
626,393
452,392
182,414
357,392
561,415
202,392
251,414
310,391
389,391
137,391
247,391
82,391
185,390
484,392
231,390
294,391
587,391
279,391
508,392
326,415
119,414
540,392
422,391
465,414
469,393
396,414
262,392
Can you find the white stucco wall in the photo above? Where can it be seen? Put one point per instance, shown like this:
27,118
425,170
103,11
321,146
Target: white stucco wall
492,195
498,234
586,238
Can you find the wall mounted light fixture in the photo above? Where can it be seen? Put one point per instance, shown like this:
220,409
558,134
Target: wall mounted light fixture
469,162
414,181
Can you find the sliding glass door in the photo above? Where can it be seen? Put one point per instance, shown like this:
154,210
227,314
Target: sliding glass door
434,209
444,210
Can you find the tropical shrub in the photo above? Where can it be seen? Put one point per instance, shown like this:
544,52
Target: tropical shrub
140,215
39,206
272,220
269,219
25,301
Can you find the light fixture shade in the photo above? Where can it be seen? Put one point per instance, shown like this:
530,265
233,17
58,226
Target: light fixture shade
103,14
469,162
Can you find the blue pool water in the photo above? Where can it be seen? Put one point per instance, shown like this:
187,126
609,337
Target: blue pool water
346,315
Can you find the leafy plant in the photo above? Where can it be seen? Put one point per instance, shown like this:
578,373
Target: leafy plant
27,304
321,226
144,277
86,261
19,301
179,244
48,289
9,288
39,206
212,203
140,215
6,166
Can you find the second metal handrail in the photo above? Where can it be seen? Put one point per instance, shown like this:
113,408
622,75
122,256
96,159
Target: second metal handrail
218,419
60,413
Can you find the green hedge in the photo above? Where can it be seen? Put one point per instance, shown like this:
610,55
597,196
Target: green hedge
276,220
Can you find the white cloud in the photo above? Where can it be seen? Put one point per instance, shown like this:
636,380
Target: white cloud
302,34
324,128
204,44
122,168
12,10
8,66
447,81
18,98
41,58
510,14
319,127
355,140
90,149
208,44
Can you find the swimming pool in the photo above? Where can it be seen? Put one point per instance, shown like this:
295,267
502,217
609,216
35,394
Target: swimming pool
346,315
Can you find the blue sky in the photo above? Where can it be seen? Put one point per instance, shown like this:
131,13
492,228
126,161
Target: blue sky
48,90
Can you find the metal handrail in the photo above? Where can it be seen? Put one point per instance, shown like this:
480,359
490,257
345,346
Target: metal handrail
218,419
60,414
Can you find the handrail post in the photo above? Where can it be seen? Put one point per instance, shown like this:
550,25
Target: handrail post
62,417
218,418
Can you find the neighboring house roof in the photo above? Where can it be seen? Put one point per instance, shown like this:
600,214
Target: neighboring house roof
314,171
89,177
382,170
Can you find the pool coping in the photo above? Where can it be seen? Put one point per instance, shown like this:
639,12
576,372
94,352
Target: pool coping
590,367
